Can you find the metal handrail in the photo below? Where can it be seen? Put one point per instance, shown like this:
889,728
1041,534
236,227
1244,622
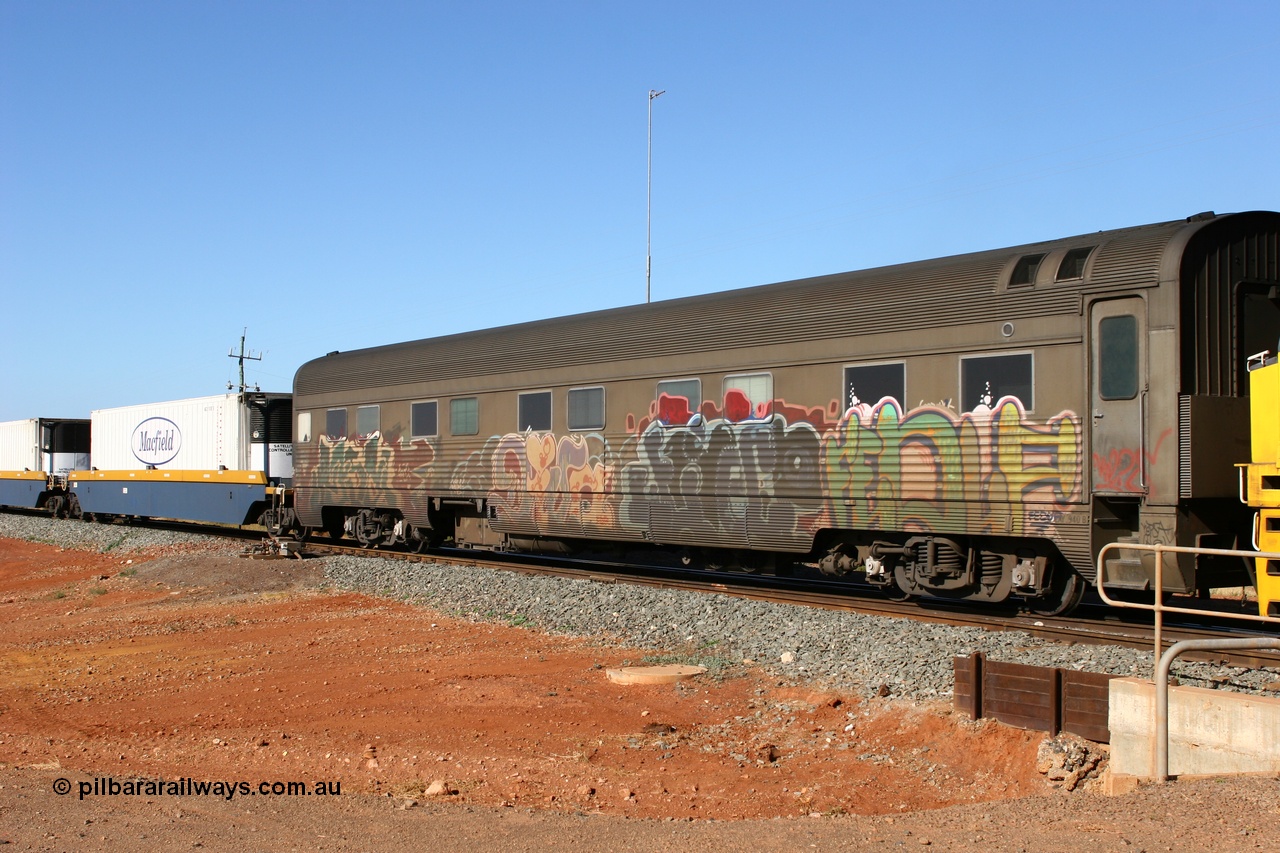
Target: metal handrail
1159,607
1160,678
1162,688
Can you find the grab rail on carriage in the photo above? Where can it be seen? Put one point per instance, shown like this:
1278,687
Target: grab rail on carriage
1158,605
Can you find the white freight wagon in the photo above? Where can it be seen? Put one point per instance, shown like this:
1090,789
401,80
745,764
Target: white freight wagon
49,445
229,432
36,455
224,459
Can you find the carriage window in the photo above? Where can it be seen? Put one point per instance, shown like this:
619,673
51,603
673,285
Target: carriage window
1118,357
678,400
335,424
871,383
366,421
422,419
534,412
586,408
304,427
985,379
1072,265
464,416
748,396
1024,272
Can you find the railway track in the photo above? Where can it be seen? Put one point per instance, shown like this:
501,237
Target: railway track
1094,623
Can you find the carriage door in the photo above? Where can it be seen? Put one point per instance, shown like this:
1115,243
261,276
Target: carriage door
1118,395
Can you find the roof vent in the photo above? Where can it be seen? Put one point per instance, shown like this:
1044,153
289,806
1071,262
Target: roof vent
1202,217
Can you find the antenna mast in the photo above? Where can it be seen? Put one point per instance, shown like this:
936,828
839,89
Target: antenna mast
243,356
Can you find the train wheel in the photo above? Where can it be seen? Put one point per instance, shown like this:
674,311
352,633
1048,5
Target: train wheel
371,528
421,539
271,520
1062,598
893,592
899,588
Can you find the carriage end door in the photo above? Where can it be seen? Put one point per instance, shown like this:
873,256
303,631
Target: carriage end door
1118,393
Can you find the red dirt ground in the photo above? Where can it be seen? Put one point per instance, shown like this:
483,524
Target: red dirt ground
209,666
197,664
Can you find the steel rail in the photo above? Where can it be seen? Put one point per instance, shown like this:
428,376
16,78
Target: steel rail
847,597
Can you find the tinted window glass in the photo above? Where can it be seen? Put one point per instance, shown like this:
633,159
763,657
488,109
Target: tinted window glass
1024,272
464,416
1072,265
985,379
870,383
586,408
535,412
678,400
1118,357
423,419
335,424
366,421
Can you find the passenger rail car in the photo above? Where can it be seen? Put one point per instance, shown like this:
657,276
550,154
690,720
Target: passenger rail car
974,427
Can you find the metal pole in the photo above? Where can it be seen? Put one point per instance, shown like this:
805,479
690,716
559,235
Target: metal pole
1161,684
648,251
1159,603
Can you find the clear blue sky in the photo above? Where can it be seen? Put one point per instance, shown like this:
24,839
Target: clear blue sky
340,175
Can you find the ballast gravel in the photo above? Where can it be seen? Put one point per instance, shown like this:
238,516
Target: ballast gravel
103,538
870,655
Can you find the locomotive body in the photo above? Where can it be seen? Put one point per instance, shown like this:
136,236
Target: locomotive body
971,427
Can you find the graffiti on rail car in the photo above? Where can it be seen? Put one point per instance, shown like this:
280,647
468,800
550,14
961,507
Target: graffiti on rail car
376,470
769,475
1124,469
931,469
543,482
736,475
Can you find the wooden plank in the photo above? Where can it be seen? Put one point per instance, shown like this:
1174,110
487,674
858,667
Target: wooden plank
967,694
1032,722
1015,669
1086,705
1033,697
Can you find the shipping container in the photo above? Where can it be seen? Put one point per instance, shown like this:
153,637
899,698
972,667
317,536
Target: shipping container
49,445
211,459
231,432
35,455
